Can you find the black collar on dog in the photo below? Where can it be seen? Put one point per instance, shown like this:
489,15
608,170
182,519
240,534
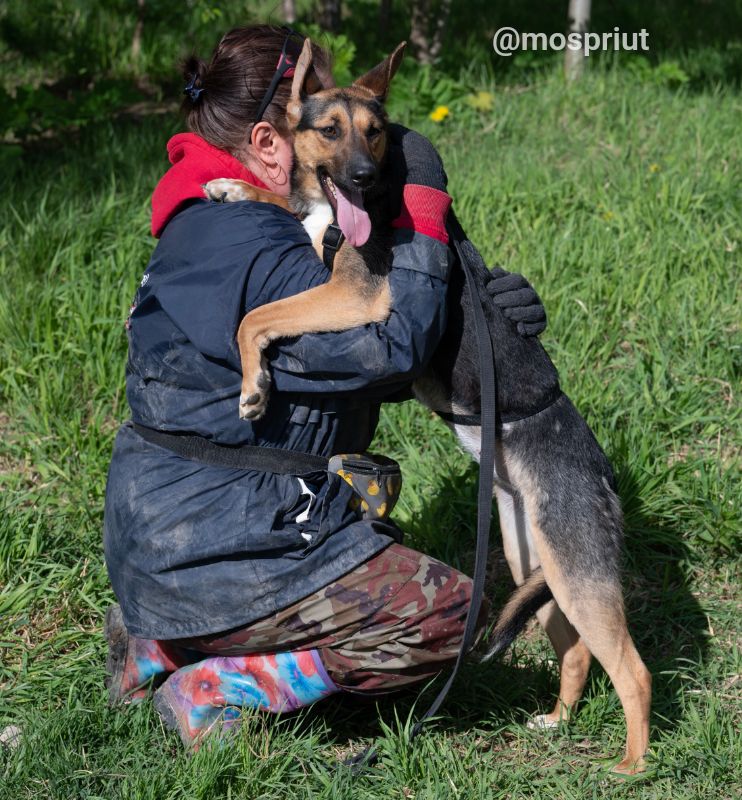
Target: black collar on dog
476,419
332,241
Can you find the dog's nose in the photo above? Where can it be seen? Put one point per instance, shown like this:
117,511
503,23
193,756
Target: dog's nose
363,177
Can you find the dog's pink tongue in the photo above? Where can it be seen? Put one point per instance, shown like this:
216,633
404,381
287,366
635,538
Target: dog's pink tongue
352,217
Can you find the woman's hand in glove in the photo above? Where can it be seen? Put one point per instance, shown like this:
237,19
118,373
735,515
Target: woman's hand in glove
518,300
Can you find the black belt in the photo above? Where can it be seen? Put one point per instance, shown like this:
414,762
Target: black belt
243,456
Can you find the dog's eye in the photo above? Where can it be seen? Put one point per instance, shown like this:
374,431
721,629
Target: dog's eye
373,132
330,132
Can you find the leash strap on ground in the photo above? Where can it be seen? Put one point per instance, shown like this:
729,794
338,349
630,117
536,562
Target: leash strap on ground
488,409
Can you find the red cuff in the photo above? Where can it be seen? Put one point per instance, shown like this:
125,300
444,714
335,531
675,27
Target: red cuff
424,210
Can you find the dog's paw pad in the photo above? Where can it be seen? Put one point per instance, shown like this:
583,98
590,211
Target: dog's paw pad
253,404
541,722
252,411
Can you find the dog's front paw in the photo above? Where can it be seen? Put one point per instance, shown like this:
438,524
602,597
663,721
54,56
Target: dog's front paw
254,394
224,190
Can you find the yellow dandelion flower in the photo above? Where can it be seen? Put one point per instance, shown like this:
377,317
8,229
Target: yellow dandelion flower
608,216
654,168
440,113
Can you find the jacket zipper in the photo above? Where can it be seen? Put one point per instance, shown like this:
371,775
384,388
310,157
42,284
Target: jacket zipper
364,468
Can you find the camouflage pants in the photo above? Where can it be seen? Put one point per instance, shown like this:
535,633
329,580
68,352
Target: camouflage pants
397,619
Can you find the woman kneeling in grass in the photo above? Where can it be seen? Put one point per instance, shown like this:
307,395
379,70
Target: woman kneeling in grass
240,588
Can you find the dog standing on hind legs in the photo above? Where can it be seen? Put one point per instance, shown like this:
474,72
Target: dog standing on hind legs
559,514
560,517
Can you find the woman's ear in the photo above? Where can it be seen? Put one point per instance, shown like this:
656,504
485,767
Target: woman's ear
263,141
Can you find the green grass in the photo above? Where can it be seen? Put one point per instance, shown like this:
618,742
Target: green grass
621,202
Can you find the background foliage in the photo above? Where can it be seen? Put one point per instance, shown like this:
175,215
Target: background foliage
69,62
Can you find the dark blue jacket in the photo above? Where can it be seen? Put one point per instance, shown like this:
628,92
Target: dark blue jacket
193,549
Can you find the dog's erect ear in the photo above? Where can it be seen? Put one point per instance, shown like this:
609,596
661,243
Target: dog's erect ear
379,78
309,77
301,71
319,78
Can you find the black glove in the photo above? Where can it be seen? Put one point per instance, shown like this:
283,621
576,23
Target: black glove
518,300
410,159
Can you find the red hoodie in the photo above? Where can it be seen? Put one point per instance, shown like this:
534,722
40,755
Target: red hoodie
195,162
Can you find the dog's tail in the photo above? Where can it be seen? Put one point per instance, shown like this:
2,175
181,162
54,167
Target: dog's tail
523,604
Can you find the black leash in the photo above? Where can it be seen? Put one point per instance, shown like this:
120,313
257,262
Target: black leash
488,412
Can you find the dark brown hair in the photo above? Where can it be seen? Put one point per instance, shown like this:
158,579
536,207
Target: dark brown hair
235,81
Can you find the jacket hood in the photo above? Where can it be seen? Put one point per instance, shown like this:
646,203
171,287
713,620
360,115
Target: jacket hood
195,162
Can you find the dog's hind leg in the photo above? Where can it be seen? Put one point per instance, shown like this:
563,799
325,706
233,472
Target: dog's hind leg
572,654
589,595
596,612
574,663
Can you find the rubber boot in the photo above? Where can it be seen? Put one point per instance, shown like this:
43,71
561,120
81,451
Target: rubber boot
136,666
212,694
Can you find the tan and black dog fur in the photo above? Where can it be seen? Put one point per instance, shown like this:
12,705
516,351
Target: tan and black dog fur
559,513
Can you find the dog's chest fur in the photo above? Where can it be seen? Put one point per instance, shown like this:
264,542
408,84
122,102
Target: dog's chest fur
316,221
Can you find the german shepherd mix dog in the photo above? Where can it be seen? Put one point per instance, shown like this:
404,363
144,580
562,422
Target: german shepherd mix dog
559,514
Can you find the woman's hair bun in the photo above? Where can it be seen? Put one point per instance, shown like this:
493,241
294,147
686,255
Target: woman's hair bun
194,67
194,72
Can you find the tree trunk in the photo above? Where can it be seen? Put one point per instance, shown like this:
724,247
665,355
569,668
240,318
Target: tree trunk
330,13
426,36
419,31
136,41
579,22
385,15
440,26
289,11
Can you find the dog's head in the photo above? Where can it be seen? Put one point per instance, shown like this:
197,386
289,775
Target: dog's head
339,139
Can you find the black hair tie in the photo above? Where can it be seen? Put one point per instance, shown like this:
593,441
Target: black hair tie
191,90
